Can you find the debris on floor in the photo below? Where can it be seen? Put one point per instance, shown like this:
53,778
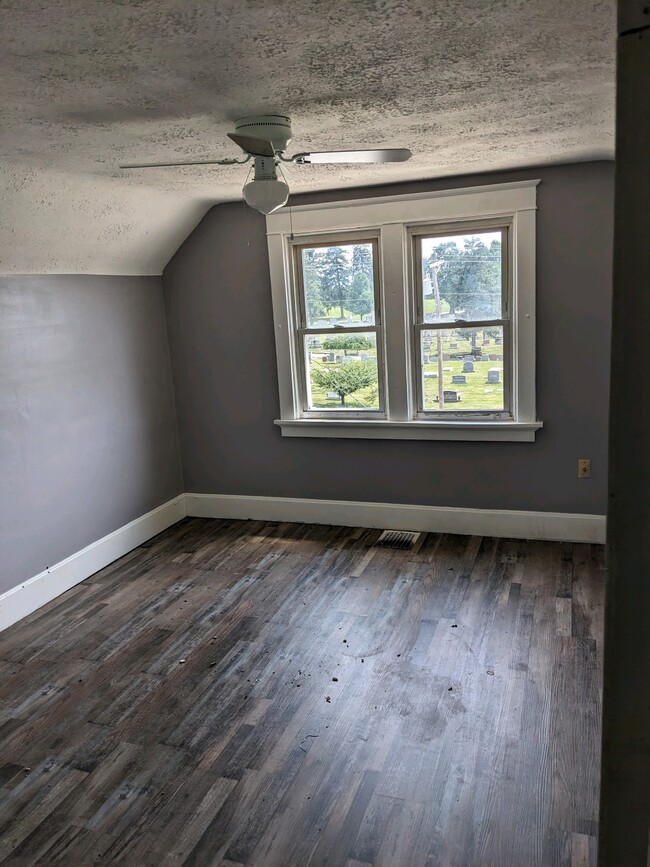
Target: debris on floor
303,740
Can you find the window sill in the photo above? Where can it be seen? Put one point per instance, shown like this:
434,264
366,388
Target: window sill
469,431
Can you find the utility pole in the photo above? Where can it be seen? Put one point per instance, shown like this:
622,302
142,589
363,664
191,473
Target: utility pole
436,292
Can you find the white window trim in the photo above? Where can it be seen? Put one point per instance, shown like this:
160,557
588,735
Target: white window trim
393,217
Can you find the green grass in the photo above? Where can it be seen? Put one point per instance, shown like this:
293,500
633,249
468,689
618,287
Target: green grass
335,313
430,306
474,394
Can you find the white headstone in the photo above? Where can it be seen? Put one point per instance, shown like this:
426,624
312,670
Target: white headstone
494,375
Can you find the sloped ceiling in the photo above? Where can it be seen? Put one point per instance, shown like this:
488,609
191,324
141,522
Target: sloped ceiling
468,85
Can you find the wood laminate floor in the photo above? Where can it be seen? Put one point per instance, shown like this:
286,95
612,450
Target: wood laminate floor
284,694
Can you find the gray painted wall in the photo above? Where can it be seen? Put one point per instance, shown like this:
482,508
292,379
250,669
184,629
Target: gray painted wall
220,323
87,425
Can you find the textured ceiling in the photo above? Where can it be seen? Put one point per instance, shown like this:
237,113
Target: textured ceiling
468,85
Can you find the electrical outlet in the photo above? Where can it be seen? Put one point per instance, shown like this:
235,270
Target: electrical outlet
584,469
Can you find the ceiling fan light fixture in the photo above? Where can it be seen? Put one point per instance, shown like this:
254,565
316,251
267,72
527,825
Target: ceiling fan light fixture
266,196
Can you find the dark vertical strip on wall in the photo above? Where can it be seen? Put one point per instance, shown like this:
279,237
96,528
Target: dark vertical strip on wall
625,783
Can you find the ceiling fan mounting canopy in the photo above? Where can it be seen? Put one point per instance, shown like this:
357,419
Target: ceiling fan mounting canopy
275,128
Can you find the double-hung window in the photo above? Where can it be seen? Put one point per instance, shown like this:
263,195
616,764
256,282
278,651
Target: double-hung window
407,317
462,328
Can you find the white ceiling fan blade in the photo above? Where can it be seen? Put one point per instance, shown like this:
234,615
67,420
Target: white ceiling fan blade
379,155
259,147
225,162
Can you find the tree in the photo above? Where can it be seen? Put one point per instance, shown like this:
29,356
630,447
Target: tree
312,275
335,278
470,279
346,379
346,342
361,300
362,260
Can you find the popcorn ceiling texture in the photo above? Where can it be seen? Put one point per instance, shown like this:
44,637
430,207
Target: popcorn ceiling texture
468,85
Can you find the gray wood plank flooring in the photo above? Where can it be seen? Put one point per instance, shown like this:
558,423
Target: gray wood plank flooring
248,693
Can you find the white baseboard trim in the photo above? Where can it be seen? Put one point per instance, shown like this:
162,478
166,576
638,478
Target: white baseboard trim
552,526
30,595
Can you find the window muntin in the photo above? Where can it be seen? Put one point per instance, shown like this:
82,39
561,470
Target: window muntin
338,338
462,335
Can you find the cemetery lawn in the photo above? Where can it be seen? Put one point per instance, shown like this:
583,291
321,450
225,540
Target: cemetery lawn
476,394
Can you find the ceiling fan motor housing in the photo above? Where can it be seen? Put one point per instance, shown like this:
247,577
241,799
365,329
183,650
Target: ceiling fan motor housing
275,128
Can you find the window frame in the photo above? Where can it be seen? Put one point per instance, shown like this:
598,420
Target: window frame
419,325
302,329
395,221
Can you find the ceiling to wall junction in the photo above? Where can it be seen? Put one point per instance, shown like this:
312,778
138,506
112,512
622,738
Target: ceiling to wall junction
468,85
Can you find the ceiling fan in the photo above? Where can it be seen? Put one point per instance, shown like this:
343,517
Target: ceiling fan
264,138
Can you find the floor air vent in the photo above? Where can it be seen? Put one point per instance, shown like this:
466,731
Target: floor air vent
397,539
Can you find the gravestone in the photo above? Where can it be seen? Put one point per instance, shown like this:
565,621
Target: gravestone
486,342
484,358
477,352
493,357
433,375
494,375
338,359
326,358
459,377
425,358
497,340
364,356
468,367
451,396
333,395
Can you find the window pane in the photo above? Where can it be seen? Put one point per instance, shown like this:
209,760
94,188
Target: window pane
339,284
462,369
461,276
342,371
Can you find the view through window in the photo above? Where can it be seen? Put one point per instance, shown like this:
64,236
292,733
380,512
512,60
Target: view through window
461,320
338,328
